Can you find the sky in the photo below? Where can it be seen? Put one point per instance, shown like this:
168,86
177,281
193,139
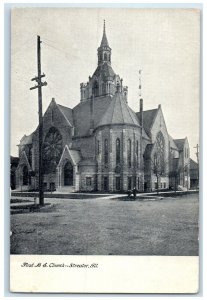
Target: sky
164,44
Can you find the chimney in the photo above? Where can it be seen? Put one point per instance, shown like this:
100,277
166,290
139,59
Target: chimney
141,111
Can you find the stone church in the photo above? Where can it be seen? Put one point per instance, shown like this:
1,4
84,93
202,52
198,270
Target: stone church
102,144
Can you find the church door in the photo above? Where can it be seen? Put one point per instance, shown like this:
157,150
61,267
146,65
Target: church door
68,174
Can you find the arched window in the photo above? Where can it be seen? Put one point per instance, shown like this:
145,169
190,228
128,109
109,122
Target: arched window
52,150
160,149
110,57
129,153
25,174
98,147
137,152
103,88
95,89
105,56
118,151
106,152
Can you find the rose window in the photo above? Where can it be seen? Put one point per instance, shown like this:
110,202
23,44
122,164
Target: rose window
52,150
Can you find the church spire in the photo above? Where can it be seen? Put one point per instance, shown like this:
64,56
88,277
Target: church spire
104,51
104,42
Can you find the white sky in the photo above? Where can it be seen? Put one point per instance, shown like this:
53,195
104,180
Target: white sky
163,43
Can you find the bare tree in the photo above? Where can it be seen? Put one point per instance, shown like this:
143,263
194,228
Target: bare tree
158,167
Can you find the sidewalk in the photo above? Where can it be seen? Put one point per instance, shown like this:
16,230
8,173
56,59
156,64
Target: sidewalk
99,196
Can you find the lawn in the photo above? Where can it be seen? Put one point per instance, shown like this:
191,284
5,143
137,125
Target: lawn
109,227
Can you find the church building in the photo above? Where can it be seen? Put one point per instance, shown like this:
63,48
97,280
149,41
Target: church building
102,144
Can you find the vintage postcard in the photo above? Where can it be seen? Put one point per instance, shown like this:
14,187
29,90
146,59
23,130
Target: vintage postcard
104,150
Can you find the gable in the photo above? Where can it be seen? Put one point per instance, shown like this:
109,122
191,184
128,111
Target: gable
54,117
148,119
23,160
67,113
159,125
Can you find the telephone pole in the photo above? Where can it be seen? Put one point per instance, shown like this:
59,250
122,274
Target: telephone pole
39,85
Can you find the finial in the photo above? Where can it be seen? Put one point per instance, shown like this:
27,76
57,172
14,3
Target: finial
104,28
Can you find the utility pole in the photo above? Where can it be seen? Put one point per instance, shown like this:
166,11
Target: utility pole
39,87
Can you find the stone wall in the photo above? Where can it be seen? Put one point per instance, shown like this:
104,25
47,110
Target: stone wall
111,170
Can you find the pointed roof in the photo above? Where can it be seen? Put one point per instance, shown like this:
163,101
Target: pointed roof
67,112
193,164
105,70
26,139
148,118
172,143
180,143
104,42
118,112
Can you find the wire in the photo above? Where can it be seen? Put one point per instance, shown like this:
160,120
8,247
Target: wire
58,49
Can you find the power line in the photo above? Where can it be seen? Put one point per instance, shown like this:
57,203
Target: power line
58,49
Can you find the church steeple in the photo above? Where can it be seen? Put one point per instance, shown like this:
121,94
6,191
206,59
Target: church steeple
104,51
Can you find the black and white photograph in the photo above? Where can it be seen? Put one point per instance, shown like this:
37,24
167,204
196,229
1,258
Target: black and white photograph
104,155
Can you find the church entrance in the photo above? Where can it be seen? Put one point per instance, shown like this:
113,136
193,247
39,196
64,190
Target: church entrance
68,174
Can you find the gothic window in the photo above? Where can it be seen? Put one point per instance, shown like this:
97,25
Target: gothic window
105,56
52,150
137,152
25,174
118,183
30,155
95,89
103,88
106,151
129,153
110,57
160,148
98,147
109,88
118,151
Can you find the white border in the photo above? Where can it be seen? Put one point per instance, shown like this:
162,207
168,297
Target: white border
202,293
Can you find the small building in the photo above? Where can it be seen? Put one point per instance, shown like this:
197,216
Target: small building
194,174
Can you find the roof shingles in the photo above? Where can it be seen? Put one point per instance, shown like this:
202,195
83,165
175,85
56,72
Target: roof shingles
118,112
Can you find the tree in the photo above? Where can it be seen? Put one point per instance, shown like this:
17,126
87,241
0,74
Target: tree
158,166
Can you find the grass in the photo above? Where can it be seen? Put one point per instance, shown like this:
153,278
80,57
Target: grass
109,227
